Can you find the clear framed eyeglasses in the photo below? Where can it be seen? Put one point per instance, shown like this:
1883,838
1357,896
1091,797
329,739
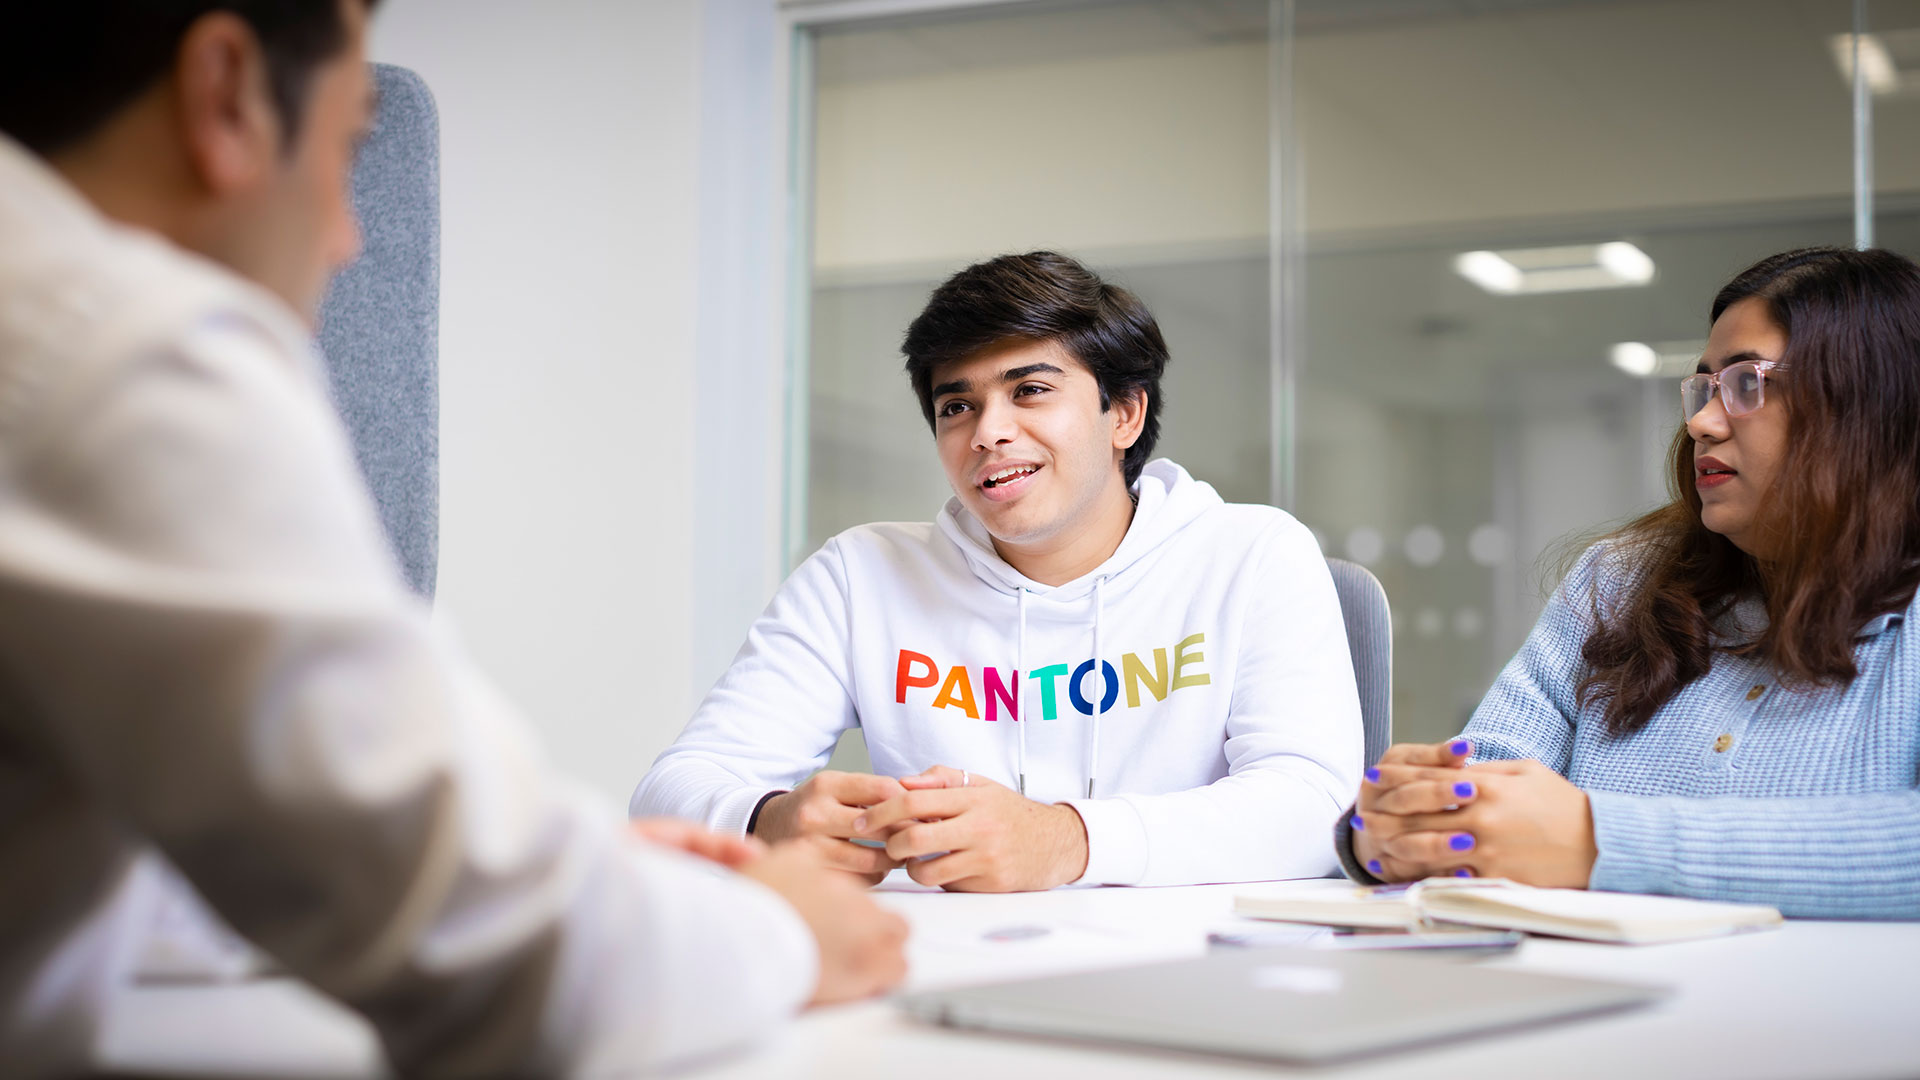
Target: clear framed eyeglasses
1742,386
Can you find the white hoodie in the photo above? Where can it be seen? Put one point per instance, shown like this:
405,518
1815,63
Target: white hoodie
1230,737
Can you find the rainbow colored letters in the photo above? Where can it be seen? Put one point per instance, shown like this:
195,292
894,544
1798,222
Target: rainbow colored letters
956,690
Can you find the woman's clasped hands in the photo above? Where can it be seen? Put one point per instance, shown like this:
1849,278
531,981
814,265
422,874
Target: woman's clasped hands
1424,812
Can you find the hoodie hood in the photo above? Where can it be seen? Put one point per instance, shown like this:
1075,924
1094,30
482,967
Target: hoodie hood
1168,500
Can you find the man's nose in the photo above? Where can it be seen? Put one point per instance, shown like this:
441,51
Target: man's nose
344,245
996,426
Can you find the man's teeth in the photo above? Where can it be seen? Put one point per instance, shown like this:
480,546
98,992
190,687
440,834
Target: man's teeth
1010,473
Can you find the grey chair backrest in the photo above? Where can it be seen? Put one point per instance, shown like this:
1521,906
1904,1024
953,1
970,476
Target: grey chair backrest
1363,604
379,326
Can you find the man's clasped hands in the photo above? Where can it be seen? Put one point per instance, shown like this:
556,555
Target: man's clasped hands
956,830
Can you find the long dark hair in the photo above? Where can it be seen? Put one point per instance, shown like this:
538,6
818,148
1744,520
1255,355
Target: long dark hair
1843,515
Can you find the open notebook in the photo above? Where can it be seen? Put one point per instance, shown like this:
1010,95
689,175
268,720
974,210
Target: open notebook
1625,918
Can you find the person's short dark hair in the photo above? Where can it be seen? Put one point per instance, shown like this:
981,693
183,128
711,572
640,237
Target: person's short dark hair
68,66
1044,296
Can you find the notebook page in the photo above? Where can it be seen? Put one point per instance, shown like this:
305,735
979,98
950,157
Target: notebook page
1584,913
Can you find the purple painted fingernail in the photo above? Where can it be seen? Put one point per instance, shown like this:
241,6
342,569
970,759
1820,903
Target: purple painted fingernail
1463,872
1358,825
1373,865
1464,789
1461,841
1373,776
1460,748
860,824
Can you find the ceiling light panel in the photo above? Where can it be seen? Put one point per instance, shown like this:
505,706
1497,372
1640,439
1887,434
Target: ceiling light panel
1657,360
1570,268
1889,60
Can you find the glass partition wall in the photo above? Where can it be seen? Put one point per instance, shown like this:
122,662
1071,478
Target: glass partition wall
1498,226
1132,135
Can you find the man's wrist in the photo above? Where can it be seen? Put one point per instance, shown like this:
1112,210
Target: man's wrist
753,819
1071,864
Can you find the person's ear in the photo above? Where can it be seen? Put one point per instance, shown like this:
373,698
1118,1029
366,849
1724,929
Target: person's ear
227,115
1129,417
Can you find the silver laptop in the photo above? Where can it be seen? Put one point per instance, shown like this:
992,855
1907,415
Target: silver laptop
1280,1004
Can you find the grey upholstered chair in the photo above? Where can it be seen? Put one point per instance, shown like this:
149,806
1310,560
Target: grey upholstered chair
1363,604
380,323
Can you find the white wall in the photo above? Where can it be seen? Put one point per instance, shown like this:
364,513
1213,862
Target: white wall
740,384
570,185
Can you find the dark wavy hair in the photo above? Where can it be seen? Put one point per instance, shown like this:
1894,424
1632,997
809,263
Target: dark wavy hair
1044,296
1843,517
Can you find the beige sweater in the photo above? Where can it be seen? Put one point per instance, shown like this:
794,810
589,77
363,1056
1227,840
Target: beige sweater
206,652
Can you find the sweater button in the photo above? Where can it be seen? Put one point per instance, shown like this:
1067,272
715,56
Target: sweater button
1758,689
1722,744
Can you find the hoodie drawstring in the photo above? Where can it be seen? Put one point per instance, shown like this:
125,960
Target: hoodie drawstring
1020,691
1099,693
1099,684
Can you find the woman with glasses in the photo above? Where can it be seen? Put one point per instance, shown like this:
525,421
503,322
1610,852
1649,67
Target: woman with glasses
1722,699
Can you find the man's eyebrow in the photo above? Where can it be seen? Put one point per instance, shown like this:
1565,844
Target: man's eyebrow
960,386
1015,374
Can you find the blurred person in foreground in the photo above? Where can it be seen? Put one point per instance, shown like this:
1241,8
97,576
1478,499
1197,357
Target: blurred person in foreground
1721,700
207,652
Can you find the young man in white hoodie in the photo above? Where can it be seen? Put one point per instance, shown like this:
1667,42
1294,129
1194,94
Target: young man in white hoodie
1089,669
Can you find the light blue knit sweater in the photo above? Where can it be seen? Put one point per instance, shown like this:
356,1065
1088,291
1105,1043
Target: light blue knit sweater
1737,788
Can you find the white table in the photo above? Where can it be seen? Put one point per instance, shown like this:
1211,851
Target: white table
1814,999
